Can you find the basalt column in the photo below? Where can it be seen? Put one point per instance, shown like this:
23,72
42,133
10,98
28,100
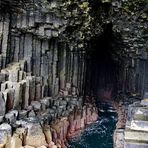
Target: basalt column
33,37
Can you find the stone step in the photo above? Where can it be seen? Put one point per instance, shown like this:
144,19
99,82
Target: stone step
135,145
139,136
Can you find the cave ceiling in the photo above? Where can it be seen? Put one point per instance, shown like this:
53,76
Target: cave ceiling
87,19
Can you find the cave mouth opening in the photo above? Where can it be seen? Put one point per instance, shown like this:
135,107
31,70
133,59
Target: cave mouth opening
103,70
103,74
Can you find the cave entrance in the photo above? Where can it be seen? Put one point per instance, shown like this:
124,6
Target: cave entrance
102,74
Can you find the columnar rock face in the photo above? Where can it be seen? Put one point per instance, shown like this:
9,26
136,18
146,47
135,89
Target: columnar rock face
49,122
44,60
54,37
34,36
28,116
36,65
134,133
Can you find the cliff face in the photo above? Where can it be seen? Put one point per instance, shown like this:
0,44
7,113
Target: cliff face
33,36
57,39
50,37
97,47
37,60
65,49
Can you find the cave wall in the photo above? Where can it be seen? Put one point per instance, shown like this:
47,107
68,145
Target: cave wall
37,36
133,75
109,73
34,38
103,71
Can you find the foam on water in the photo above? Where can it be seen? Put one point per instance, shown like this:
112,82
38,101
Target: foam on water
98,134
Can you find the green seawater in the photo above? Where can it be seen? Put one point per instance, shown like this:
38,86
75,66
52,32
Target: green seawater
98,134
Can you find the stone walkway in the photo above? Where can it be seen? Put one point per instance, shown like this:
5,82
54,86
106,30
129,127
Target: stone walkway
134,132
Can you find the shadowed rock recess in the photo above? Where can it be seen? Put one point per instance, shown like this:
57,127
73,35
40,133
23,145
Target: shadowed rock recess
59,57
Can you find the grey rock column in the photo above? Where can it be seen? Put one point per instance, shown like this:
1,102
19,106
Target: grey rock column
5,38
28,51
17,95
19,20
16,50
75,69
2,105
21,47
36,57
45,65
62,65
31,19
24,20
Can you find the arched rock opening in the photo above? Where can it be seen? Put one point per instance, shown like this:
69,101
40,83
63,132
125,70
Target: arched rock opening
103,70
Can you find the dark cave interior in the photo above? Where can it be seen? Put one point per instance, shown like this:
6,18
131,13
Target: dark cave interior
103,71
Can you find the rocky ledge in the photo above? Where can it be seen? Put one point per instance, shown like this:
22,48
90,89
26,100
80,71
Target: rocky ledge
29,120
132,126
31,130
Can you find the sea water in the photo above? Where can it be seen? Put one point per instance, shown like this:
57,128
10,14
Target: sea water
98,134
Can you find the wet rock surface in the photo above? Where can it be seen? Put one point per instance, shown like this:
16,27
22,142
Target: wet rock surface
132,127
98,134
30,121
53,131
51,43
